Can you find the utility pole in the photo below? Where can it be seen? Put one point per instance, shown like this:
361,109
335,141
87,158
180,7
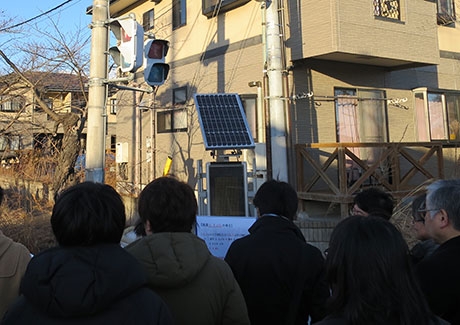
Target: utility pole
97,92
275,70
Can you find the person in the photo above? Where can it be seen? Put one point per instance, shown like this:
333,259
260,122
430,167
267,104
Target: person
373,201
198,287
281,276
14,258
426,245
370,275
88,278
438,274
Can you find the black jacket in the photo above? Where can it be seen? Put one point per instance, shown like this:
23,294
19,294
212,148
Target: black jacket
440,281
330,320
86,285
270,264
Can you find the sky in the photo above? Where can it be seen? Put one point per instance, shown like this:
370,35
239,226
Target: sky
69,17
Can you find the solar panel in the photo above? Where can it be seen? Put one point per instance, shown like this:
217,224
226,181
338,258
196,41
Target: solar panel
223,122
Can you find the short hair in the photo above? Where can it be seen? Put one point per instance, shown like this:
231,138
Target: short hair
417,204
87,214
278,198
169,205
370,273
375,201
444,194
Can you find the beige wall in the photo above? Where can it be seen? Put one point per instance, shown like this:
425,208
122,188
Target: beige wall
349,27
316,28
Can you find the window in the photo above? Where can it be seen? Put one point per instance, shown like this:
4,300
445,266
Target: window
11,104
446,12
387,9
179,12
172,121
361,117
10,142
356,106
211,8
250,108
437,115
179,96
113,106
147,20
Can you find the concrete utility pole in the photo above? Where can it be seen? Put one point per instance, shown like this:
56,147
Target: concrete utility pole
275,87
97,93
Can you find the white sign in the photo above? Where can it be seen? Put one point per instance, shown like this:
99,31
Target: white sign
220,232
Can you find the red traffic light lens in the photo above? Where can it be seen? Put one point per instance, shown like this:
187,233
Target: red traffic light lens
156,50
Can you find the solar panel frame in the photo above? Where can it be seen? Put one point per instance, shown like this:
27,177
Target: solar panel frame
223,121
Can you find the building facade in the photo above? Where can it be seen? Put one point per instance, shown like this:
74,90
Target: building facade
356,71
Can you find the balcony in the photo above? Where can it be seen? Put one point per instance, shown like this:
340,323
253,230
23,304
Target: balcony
387,33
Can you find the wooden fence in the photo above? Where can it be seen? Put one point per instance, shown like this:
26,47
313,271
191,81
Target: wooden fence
334,172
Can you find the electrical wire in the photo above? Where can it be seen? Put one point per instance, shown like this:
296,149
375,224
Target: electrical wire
36,17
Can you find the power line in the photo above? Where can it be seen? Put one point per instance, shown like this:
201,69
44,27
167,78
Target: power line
36,17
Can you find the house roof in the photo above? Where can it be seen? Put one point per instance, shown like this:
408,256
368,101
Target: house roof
48,81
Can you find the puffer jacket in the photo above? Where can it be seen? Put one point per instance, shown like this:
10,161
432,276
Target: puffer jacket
13,262
198,288
102,284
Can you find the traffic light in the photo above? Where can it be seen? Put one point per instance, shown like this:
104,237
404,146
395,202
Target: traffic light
130,39
155,68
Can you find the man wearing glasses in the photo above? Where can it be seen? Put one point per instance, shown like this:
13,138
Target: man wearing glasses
439,273
426,245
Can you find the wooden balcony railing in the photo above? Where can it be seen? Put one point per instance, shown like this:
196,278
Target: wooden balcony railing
334,172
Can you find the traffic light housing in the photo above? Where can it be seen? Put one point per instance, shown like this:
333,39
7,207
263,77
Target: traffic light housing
155,69
128,54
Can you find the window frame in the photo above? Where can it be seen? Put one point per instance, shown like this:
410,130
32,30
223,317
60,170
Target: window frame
427,128
179,13
445,12
251,112
381,10
162,122
148,20
113,106
179,96
11,104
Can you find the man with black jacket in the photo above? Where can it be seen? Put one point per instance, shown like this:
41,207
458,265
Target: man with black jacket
281,276
438,274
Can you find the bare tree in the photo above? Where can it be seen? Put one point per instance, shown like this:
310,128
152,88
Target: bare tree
54,53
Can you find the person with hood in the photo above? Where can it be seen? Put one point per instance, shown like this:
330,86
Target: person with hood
199,289
88,278
14,258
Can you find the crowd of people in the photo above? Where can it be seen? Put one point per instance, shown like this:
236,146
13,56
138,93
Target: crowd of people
167,275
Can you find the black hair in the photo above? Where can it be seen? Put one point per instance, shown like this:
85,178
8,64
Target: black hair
375,201
1,195
278,198
87,214
169,205
370,273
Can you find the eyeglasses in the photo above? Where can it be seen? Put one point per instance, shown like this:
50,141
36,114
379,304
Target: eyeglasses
424,211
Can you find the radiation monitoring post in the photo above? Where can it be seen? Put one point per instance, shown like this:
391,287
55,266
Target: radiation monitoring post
219,232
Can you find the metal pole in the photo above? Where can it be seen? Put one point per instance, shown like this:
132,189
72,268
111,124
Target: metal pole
275,97
95,140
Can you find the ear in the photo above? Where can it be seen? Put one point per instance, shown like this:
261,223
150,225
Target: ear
148,228
444,219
